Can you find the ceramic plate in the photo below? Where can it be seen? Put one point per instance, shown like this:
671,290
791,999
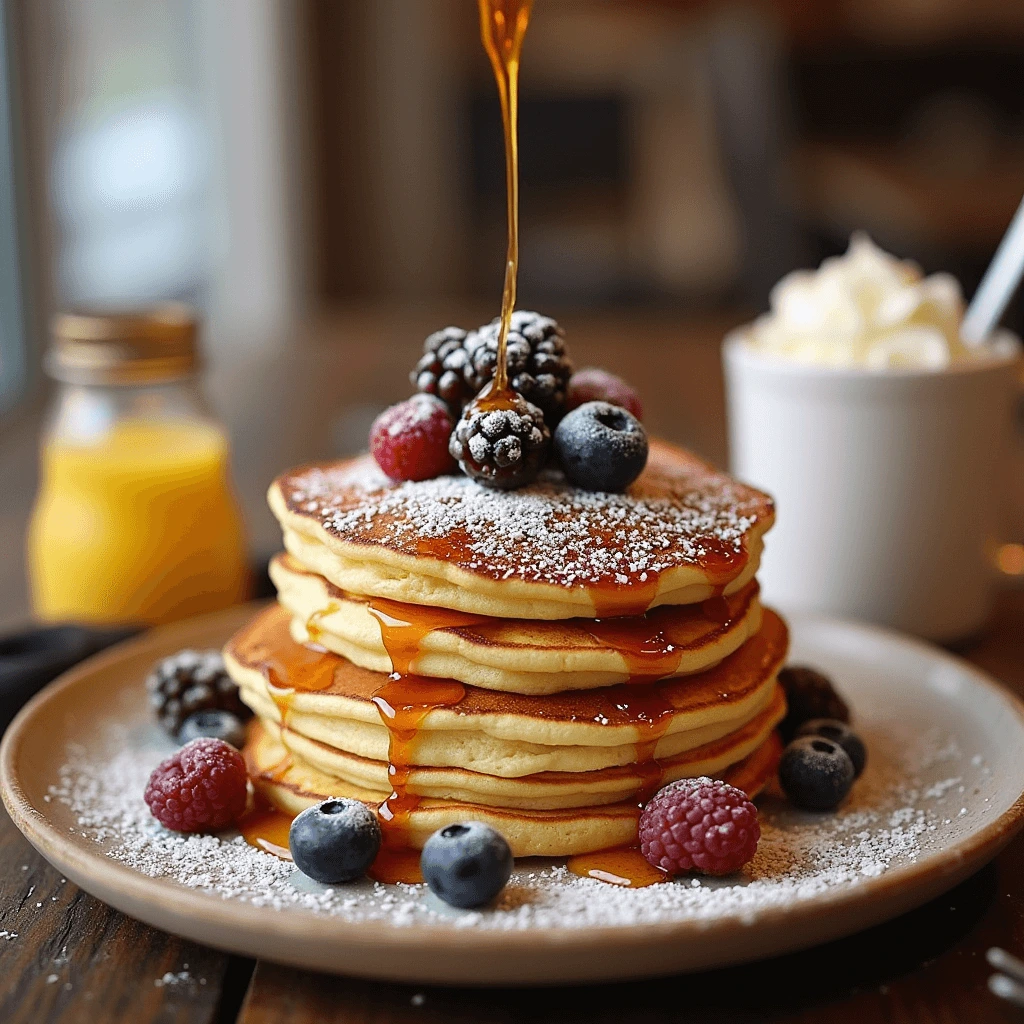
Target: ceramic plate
940,796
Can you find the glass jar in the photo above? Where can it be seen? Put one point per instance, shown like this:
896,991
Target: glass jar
135,520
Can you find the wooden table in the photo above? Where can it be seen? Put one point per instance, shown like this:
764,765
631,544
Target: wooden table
65,957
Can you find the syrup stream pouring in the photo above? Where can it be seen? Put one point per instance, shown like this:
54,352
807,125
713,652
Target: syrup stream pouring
502,27
997,286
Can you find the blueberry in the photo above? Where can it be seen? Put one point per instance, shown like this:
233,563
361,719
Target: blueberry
221,725
466,865
335,841
815,773
601,447
841,733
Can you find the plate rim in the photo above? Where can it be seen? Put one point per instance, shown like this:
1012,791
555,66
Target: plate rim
927,877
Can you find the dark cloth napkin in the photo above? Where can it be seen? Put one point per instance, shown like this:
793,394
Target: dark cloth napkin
36,656
32,658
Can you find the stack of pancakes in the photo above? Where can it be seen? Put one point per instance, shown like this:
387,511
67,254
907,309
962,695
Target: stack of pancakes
540,659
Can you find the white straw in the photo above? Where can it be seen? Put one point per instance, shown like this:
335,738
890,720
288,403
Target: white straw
998,284
1006,988
1005,962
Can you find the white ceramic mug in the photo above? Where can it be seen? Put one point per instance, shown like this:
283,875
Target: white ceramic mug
886,483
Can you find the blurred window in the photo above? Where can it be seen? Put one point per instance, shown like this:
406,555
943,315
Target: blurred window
12,333
130,166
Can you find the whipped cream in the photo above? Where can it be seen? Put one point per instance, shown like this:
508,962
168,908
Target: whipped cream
867,309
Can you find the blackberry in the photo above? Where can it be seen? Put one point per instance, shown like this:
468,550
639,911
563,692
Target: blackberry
192,681
538,366
440,369
809,694
503,446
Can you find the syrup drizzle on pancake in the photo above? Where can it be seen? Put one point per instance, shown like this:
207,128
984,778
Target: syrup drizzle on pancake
406,699
733,680
313,627
403,627
301,668
649,644
403,703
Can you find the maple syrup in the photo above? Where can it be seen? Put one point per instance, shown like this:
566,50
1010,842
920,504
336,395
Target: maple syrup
404,626
403,702
643,641
502,29
396,864
716,609
305,669
621,865
313,627
721,563
267,829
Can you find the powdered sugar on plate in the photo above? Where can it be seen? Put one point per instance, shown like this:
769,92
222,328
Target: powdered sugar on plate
912,800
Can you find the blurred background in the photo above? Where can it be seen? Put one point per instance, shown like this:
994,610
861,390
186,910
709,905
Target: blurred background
323,179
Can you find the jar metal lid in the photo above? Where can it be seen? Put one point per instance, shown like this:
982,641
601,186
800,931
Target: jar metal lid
145,346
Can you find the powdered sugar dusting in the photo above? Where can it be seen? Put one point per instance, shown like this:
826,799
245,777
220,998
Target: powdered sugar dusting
678,513
904,807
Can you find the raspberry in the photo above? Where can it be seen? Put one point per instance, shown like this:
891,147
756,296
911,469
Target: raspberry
201,788
593,385
702,825
410,440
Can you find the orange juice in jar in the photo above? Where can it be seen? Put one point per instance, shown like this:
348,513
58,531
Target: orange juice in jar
135,520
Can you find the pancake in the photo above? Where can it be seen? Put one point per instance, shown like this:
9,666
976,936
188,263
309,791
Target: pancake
327,698
682,533
292,786
544,790
519,655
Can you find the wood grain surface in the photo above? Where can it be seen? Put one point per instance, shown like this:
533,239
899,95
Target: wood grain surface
65,957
